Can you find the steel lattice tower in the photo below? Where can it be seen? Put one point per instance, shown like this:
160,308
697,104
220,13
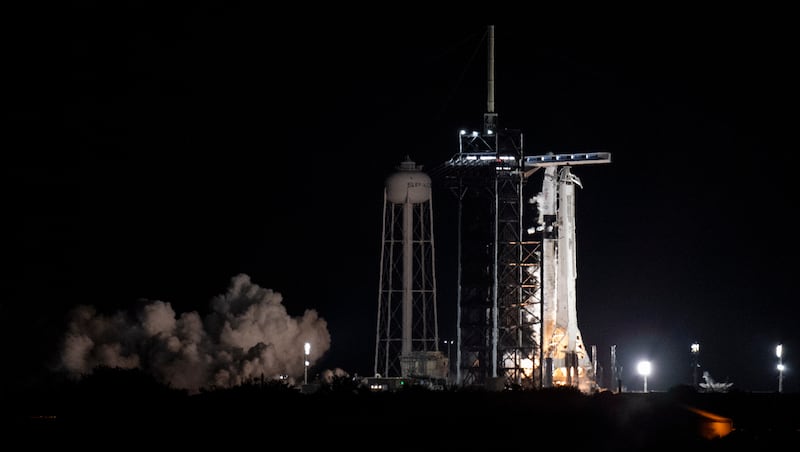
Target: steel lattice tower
499,306
498,294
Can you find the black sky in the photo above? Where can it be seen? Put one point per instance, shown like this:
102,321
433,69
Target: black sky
156,153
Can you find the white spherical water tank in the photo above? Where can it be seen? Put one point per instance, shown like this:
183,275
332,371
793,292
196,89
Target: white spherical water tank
408,185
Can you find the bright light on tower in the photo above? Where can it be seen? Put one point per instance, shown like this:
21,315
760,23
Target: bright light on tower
644,368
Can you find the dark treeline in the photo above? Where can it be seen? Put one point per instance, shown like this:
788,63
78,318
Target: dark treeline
342,410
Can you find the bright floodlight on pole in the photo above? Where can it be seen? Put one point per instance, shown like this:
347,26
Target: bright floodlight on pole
307,350
779,354
448,343
695,362
644,368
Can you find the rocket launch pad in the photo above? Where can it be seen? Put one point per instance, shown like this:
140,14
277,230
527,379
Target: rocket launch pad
517,313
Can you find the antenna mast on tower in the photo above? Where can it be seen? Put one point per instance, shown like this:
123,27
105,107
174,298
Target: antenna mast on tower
490,117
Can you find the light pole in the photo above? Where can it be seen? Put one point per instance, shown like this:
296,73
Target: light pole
644,368
779,354
448,344
449,365
695,362
307,350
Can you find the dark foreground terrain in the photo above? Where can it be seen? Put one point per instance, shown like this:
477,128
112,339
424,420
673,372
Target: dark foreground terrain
129,410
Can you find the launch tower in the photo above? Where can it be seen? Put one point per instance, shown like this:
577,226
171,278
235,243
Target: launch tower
499,312
517,317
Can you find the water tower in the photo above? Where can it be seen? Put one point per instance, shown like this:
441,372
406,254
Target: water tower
407,333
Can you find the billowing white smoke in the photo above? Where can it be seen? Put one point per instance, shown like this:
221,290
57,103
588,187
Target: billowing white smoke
247,335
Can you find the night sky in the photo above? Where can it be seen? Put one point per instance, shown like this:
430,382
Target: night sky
155,154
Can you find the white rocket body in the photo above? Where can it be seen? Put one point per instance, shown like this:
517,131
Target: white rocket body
561,336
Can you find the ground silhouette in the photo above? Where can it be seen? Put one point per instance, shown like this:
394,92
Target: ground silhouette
343,412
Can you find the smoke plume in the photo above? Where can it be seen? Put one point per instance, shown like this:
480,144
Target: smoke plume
247,335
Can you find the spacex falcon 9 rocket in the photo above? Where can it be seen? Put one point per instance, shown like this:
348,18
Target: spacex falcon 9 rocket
566,361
